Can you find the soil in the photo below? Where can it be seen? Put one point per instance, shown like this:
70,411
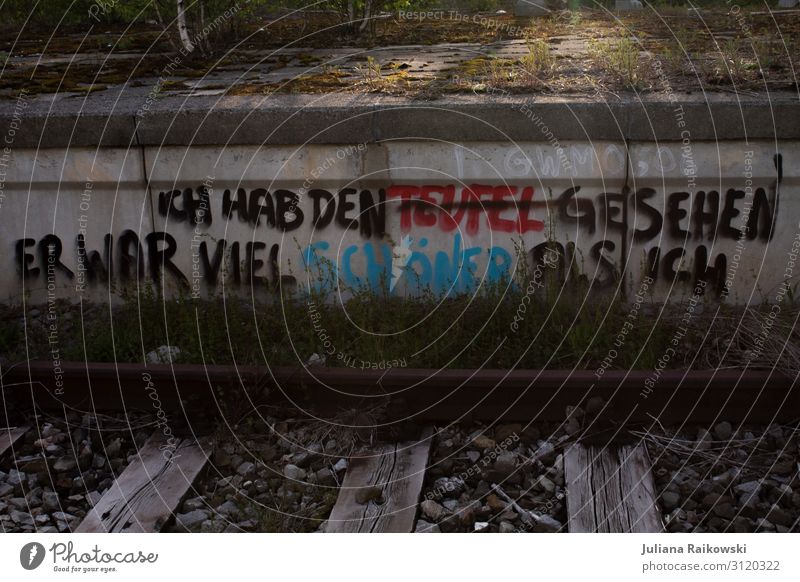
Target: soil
672,49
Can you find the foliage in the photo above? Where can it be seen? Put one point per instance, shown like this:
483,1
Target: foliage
621,58
539,62
46,14
557,330
357,16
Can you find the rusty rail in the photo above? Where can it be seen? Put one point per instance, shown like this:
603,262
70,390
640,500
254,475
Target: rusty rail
421,394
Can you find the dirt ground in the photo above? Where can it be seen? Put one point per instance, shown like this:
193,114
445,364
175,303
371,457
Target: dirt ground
668,49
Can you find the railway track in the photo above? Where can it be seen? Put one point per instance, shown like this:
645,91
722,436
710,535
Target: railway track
429,395
380,492
604,480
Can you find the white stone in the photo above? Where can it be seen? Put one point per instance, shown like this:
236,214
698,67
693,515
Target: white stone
294,472
163,355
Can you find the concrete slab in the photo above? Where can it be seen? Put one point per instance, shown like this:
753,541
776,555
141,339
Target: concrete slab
109,118
239,218
729,218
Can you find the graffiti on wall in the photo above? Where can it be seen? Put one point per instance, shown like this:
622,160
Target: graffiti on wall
406,238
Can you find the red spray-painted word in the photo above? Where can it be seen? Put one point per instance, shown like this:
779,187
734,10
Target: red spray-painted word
427,206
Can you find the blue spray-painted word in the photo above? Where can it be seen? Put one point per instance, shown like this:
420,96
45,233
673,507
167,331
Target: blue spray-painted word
445,273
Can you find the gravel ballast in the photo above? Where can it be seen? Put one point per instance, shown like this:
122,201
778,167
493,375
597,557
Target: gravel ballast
726,478
507,478
280,474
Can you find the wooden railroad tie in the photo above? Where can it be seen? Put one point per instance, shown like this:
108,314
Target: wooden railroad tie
149,490
611,489
381,489
9,436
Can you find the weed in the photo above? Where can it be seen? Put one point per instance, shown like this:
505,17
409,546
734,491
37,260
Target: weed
620,58
674,57
769,55
370,73
376,78
499,72
538,63
733,63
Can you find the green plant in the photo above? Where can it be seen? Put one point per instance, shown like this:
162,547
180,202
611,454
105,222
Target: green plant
499,72
538,63
768,54
376,78
371,73
620,58
360,16
673,58
733,63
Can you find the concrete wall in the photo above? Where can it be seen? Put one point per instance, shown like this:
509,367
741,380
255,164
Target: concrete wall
402,215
